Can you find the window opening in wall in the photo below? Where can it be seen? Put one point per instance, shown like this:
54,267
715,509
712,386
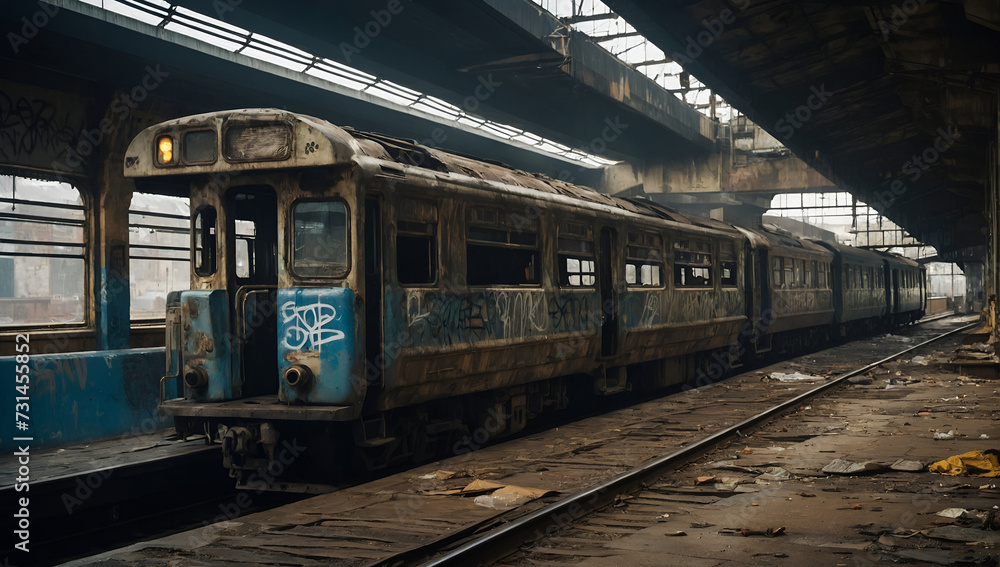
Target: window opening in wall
159,252
43,255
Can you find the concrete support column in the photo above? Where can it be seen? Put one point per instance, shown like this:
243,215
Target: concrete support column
114,196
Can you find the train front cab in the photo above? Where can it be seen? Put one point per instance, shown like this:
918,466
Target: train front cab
269,322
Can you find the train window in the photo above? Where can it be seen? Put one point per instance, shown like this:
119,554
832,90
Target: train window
797,266
320,240
159,249
776,272
789,278
821,276
727,264
205,234
865,277
643,260
416,252
813,274
43,252
246,230
501,249
576,255
692,263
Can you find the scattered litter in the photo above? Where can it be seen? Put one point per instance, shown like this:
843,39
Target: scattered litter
746,532
794,376
973,463
747,450
864,380
438,475
907,466
677,533
842,466
663,518
704,480
501,501
807,495
701,525
961,534
984,436
941,436
958,514
775,473
731,466
921,360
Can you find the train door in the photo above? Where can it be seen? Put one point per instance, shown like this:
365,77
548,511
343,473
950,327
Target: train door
762,284
374,287
253,262
609,302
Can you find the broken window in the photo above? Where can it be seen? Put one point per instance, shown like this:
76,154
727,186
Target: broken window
576,255
644,260
727,264
692,263
502,249
416,242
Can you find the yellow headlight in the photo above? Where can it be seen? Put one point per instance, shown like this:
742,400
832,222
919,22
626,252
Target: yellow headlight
166,149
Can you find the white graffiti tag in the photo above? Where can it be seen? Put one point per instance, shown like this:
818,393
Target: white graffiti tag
307,324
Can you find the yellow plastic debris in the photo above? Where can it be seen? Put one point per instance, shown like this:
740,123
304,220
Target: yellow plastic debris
973,463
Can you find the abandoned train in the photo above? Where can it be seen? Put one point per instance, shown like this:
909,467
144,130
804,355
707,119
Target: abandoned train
366,295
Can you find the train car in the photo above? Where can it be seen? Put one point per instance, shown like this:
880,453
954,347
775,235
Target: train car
796,298
860,298
351,290
905,288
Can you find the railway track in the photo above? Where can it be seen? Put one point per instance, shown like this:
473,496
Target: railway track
419,517
486,548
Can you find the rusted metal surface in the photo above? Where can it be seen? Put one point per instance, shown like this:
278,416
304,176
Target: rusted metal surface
386,518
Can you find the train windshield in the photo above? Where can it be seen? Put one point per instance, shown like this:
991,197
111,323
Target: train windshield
321,239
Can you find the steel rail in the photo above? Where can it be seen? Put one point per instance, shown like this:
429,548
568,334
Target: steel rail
503,541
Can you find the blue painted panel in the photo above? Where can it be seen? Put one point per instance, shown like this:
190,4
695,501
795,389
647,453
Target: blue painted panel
87,395
114,318
209,344
316,328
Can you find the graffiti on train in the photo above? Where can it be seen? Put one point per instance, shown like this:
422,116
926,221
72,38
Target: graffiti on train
436,319
306,326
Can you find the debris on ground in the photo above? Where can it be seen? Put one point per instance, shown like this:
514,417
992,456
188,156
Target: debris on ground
904,465
747,532
843,466
943,436
774,474
973,463
794,376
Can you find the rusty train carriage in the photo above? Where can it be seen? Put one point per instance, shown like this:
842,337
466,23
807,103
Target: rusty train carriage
347,285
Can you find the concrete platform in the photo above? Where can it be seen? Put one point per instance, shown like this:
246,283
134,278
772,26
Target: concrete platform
877,518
